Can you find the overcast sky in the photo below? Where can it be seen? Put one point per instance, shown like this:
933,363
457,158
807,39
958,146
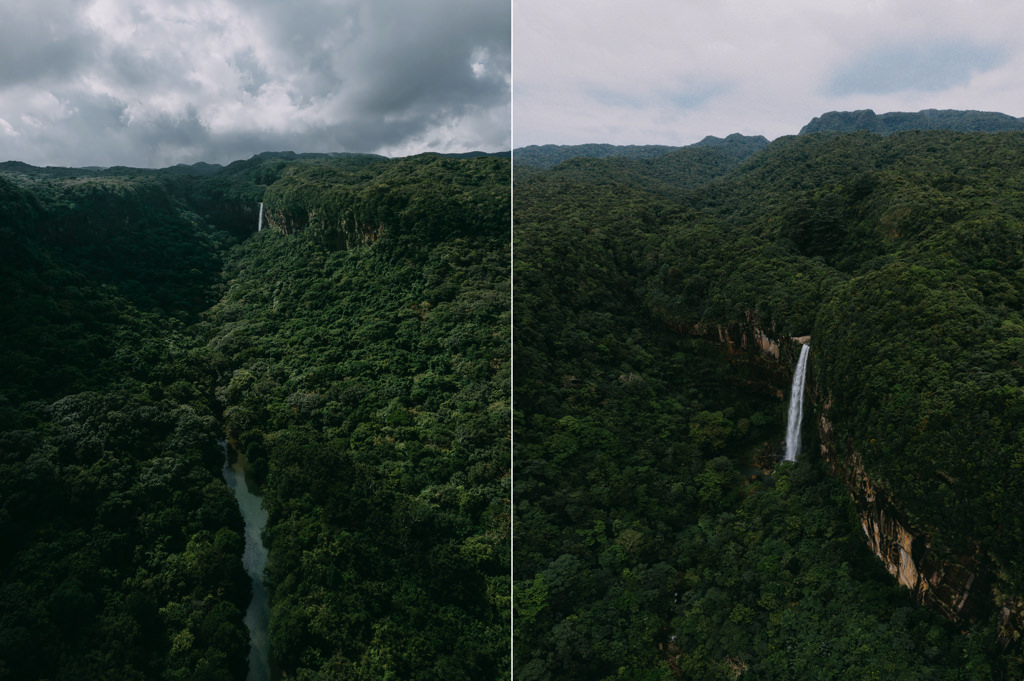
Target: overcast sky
152,83
674,71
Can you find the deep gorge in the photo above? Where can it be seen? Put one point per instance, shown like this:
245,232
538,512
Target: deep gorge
365,382
355,352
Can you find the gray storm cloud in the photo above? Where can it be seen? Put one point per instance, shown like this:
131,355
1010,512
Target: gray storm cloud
138,82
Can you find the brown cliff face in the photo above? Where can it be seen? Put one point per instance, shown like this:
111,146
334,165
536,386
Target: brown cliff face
764,365
960,585
335,231
287,222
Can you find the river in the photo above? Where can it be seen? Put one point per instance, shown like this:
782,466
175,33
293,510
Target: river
254,560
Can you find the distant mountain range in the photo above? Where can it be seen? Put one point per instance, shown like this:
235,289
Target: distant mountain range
550,155
897,121
204,169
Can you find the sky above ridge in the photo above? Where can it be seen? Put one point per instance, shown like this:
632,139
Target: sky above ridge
153,83
671,72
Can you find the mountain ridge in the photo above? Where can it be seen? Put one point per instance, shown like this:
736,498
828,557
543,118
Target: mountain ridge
957,120
927,119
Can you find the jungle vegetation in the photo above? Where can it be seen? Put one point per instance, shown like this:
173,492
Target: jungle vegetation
648,545
357,353
367,382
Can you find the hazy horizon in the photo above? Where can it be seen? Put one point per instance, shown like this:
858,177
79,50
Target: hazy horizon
659,72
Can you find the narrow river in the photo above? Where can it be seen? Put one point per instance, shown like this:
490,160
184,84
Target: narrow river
254,559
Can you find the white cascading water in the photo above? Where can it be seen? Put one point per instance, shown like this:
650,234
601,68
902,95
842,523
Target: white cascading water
796,405
259,226
254,560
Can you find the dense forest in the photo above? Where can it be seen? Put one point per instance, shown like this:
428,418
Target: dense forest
355,352
356,356
550,155
899,121
657,533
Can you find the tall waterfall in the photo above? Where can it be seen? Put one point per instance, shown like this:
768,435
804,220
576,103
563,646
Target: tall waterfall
259,225
254,560
796,405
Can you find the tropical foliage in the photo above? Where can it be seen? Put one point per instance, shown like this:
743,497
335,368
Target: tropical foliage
144,325
648,544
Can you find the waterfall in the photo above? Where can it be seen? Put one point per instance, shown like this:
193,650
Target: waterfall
259,226
254,560
796,405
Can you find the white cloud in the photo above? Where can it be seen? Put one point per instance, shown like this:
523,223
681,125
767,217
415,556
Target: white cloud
660,71
8,129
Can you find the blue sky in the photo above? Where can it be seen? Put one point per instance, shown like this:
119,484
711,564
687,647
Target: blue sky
671,71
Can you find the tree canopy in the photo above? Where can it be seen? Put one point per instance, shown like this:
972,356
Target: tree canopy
649,544
366,380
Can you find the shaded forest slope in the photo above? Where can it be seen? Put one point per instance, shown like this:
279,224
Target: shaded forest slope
367,385
900,256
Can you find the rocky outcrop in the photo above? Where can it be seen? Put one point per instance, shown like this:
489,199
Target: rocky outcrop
286,222
763,363
331,227
961,585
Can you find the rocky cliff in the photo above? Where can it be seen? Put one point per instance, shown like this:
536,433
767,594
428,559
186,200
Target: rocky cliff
963,585
763,363
333,229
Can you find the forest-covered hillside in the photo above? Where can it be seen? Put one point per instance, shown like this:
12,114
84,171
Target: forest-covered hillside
366,382
649,543
550,155
900,121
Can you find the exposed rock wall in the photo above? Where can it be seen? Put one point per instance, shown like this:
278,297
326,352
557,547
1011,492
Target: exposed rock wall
961,585
946,581
334,230
763,362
